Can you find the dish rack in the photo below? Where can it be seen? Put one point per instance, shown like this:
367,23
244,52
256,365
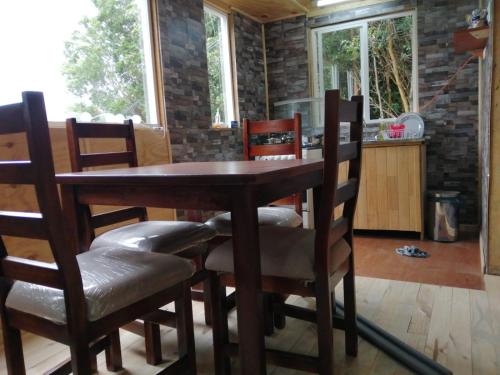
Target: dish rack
397,132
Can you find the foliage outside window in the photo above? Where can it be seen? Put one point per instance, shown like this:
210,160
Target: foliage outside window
97,63
375,58
219,67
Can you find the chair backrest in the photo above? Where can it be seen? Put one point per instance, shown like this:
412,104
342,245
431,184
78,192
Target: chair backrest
29,117
333,194
79,161
283,126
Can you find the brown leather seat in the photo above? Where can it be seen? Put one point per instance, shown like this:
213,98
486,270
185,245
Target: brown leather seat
278,216
112,279
284,252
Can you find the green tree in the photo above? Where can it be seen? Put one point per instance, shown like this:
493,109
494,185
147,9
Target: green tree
390,64
214,60
104,62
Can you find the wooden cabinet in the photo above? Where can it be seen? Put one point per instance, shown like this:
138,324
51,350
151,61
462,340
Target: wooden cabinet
392,187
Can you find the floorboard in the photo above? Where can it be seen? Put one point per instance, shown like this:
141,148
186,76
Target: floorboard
460,328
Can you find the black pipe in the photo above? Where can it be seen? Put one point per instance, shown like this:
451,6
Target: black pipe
395,348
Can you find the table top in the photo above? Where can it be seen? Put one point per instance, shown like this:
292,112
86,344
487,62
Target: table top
198,173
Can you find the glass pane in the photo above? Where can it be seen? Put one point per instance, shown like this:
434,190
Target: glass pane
89,63
213,27
342,61
390,64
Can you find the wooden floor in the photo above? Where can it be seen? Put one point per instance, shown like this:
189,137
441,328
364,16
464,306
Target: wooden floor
455,264
458,327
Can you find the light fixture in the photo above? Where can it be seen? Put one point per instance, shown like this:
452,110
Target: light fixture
322,3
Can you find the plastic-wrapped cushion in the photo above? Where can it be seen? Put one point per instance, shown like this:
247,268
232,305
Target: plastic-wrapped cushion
284,252
279,216
275,157
112,279
168,237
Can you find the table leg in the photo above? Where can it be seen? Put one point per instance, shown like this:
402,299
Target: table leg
77,218
248,283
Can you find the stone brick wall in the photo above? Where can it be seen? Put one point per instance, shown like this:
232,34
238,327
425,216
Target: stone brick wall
249,68
287,62
185,74
452,121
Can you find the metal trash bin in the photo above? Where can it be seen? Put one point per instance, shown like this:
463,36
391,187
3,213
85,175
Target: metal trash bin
442,215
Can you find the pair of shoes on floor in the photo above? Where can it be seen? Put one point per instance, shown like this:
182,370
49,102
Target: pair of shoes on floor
411,251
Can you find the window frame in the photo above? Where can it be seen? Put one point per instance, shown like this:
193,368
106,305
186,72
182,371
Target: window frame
227,63
317,68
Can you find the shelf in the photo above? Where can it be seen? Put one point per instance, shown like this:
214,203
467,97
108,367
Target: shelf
473,40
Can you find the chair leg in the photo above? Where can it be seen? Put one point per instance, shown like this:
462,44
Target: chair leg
80,358
93,363
279,318
152,341
219,325
351,329
268,299
13,347
325,330
207,303
114,353
185,330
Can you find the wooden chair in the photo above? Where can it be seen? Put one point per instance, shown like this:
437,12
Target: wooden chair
273,215
306,262
182,238
75,301
185,239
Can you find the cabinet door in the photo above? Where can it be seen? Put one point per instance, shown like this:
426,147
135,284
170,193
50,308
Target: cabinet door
390,190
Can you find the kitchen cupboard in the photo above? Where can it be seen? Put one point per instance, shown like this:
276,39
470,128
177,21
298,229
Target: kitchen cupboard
392,189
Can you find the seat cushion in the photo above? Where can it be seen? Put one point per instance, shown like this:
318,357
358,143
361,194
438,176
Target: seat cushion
168,237
112,279
280,216
285,252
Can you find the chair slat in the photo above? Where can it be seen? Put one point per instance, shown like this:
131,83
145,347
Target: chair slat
283,125
23,224
338,228
274,149
348,151
12,119
117,216
101,130
345,191
16,172
348,111
108,158
31,271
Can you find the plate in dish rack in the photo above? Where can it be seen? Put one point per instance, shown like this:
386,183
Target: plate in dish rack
414,124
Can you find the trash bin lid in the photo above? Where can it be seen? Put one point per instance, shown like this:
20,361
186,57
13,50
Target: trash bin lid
443,194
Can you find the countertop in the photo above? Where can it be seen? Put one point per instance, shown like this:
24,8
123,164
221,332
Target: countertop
395,142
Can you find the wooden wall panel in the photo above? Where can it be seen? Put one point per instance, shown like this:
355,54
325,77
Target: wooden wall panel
494,198
152,147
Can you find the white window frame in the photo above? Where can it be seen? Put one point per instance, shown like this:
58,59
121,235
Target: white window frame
226,63
150,91
317,68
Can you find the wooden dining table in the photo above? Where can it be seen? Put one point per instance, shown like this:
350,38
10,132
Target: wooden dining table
236,186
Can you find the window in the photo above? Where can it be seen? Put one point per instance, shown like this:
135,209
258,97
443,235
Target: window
94,63
219,66
375,58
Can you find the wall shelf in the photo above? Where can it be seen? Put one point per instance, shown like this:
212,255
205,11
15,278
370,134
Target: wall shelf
473,40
